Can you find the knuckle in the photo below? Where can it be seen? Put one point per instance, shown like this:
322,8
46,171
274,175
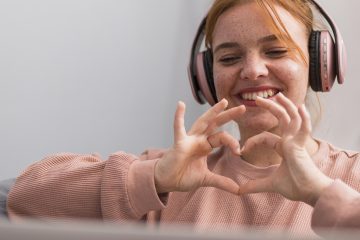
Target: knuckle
286,119
282,112
222,133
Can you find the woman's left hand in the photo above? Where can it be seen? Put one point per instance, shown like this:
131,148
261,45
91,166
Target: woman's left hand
297,178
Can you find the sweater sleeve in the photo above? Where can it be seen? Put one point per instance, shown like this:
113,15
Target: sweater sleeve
337,208
73,186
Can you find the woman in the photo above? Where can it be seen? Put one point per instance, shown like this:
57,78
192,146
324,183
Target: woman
262,78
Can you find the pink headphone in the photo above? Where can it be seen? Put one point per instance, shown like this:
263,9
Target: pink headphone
327,61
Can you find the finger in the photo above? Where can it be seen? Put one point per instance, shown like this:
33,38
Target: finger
179,127
221,182
226,116
292,110
264,139
224,139
287,104
278,111
305,129
306,119
256,186
202,123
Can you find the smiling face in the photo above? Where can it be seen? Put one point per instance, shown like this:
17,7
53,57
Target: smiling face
250,61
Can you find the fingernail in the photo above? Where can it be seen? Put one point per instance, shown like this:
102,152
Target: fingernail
238,150
257,98
305,109
239,192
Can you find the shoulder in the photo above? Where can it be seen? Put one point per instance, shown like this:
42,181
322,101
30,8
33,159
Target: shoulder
332,153
335,152
341,164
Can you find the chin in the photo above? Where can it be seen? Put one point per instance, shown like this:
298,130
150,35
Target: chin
257,123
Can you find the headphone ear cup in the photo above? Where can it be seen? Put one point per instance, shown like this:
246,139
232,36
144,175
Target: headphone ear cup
314,65
208,66
203,72
322,61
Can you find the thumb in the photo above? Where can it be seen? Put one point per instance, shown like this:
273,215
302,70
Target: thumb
221,182
256,186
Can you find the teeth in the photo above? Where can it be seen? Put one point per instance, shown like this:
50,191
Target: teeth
253,97
270,93
262,94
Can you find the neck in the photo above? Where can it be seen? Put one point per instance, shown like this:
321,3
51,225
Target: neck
263,157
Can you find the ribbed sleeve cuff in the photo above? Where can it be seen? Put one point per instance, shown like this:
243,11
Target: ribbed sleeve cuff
141,188
332,208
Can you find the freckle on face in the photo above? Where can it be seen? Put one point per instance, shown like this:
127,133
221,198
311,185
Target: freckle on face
244,24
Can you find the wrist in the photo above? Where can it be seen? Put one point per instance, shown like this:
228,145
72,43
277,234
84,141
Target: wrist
159,186
318,190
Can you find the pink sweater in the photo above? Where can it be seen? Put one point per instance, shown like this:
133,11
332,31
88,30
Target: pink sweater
122,189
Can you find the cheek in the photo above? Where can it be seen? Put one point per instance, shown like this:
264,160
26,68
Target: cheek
295,78
220,87
224,81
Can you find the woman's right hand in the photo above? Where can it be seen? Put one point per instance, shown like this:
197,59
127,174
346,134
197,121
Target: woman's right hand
184,166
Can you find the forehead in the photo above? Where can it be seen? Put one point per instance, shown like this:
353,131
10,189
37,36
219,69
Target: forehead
248,22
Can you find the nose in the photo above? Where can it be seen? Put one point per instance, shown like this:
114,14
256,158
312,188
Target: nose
254,67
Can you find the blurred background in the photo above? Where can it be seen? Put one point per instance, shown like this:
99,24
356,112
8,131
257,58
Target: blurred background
101,76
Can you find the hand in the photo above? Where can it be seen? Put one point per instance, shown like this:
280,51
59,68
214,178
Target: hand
184,166
297,177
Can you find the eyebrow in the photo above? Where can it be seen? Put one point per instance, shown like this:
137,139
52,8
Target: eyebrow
227,45
269,38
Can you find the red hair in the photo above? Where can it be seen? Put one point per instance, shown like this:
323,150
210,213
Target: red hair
299,9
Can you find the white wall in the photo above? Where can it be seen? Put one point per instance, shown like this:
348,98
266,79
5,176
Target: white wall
105,75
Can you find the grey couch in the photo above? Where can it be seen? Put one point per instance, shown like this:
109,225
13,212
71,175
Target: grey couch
5,186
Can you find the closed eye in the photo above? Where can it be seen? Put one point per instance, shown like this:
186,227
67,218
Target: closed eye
277,53
229,60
